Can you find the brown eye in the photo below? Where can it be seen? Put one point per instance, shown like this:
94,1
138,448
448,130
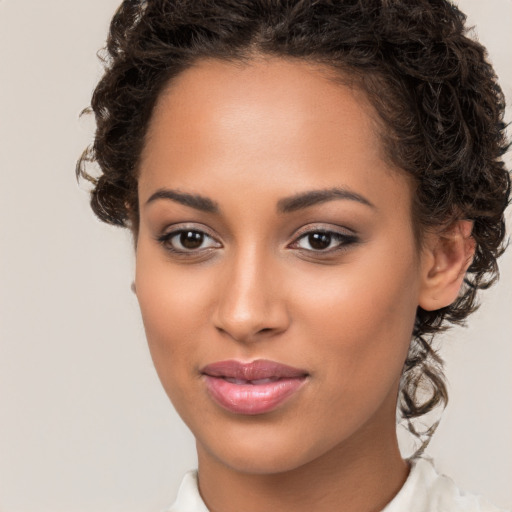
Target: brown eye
191,239
319,241
324,241
187,241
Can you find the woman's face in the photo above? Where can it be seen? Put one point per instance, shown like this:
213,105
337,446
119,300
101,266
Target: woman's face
273,230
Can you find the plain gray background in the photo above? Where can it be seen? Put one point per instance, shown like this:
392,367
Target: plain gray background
84,424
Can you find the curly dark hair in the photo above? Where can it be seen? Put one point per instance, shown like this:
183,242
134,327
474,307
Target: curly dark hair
436,95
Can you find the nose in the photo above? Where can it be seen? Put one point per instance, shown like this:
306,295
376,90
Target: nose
251,303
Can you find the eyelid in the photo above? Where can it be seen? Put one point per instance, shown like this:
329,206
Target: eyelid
326,228
184,226
348,236
175,229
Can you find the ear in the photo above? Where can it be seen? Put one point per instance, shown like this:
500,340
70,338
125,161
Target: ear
445,259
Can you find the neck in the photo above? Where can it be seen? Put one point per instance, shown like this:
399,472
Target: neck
362,474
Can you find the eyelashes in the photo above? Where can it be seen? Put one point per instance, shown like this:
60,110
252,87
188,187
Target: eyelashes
192,242
188,241
323,241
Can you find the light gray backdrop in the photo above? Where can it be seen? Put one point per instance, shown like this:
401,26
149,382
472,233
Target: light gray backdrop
84,424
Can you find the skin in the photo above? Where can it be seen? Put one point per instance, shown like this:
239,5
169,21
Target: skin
245,137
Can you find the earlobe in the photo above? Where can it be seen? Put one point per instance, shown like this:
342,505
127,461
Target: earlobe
448,255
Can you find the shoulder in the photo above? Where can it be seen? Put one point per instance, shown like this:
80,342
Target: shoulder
425,490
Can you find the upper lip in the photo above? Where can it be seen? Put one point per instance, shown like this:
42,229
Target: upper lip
254,370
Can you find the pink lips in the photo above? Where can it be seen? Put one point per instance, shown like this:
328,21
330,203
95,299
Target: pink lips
252,388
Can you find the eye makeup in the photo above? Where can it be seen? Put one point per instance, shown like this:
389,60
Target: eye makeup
191,241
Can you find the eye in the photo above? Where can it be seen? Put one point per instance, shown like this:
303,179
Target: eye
324,241
187,241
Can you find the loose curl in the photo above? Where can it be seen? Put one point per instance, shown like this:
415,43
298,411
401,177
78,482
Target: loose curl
439,104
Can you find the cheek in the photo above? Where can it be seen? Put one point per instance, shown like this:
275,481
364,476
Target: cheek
172,305
362,317
375,289
170,295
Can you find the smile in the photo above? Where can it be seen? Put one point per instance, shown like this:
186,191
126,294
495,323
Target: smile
252,388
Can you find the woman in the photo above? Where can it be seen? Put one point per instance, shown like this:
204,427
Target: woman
315,189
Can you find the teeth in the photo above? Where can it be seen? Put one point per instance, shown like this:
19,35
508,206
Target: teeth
255,382
236,381
262,381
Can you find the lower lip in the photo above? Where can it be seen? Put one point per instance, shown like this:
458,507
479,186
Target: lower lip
249,398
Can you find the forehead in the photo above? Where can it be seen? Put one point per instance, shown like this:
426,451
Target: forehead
268,121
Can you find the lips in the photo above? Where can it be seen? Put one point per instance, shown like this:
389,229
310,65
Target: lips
252,388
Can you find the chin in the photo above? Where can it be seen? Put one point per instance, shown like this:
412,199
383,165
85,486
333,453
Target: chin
265,450
260,460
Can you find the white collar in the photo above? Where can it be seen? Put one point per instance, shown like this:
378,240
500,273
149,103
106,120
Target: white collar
423,491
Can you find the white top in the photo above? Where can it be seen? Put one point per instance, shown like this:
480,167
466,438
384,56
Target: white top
424,491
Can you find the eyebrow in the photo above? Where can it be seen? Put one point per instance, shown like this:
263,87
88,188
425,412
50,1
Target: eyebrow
286,205
313,197
196,201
